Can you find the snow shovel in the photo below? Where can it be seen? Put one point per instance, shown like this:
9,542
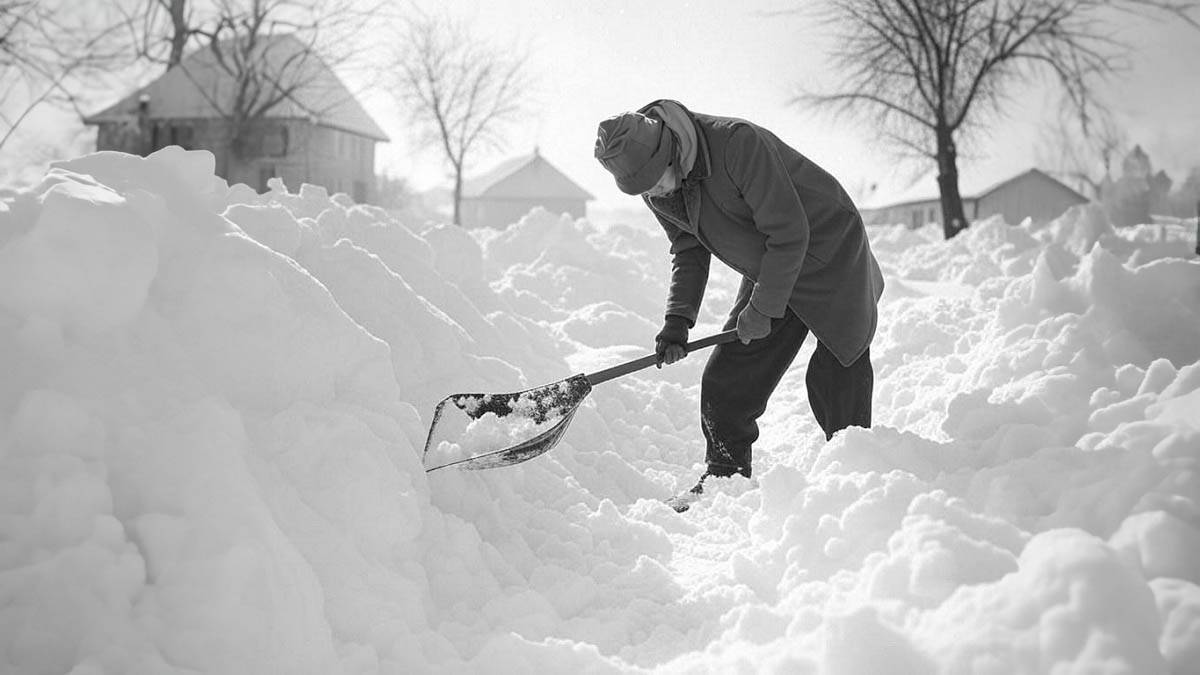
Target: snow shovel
544,411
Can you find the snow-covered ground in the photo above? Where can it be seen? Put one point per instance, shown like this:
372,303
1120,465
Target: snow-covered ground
213,404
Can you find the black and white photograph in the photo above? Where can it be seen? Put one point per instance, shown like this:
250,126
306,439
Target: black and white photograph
814,337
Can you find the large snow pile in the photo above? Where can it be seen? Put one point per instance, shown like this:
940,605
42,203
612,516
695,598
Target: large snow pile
213,404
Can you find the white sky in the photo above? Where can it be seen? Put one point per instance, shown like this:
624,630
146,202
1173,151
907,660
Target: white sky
594,59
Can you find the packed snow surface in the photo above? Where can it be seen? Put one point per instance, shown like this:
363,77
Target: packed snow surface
213,406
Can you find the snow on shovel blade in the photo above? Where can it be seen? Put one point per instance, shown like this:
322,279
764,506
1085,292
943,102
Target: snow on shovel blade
534,419
521,426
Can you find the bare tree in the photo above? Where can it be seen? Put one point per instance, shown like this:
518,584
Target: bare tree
1083,153
927,72
460,91
47,51
160,31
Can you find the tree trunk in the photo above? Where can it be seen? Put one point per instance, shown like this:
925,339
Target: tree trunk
179,32
954,220
225,159
457,195
1197,228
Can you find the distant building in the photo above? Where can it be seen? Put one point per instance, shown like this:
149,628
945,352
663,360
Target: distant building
320,134
1032,194
509,191
1138,193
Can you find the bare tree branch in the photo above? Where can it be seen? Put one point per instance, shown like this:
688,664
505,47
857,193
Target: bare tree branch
1083,154
459,90
927,72
48,52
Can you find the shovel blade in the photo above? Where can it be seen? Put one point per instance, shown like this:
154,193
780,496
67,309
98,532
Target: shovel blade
543,411
521,452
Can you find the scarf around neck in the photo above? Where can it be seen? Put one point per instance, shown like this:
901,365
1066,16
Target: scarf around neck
678,121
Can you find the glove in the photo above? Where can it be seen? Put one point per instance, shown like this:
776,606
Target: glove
752,324
670,345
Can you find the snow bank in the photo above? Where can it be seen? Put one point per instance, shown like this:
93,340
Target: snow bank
214,402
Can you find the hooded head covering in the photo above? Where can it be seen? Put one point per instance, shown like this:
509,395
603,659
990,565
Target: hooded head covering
635,149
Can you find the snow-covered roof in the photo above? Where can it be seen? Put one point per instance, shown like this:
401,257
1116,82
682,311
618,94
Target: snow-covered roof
200,88
1031,172
971,186
527,176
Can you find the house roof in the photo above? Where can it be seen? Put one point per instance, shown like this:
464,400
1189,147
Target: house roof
1031,172
970,187
199,88
525,177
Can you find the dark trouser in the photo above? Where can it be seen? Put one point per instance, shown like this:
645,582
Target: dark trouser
739,379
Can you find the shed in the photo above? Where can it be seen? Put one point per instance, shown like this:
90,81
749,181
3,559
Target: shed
1032,194
509,191
318,134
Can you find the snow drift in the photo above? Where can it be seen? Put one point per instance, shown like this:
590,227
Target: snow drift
212,406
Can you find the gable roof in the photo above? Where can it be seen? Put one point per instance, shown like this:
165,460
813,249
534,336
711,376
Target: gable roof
525,177
1035,173
969,188
195,88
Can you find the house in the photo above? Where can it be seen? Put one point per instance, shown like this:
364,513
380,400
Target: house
507,192
317,134
1032,194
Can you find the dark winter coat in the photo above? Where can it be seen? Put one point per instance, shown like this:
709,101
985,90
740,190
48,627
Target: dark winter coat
781,221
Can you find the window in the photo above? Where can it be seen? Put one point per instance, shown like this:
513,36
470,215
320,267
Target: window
275,141
156,136
182,135
163,134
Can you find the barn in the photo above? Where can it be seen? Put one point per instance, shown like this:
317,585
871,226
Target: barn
507,192
1033,194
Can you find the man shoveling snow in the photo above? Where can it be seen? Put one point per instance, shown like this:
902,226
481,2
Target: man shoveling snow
730,188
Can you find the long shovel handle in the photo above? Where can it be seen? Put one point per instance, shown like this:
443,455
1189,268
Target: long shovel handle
647,361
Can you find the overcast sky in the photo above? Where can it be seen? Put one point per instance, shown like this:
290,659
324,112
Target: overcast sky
593,59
